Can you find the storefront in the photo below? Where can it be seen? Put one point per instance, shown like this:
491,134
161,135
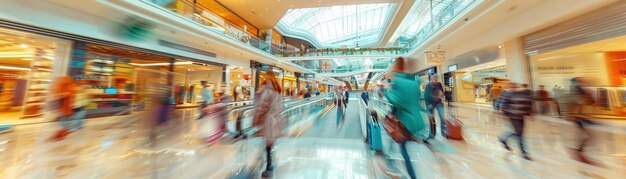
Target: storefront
122,81
241,83
260,71
602,63
28,64
289,84
597,55
474,76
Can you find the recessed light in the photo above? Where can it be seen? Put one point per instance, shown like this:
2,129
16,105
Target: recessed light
23,45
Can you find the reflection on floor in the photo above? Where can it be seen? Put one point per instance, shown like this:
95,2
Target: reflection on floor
114,149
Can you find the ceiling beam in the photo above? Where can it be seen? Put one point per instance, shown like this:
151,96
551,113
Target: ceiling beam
403,9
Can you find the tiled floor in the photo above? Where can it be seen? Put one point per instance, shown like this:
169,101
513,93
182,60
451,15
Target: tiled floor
104,150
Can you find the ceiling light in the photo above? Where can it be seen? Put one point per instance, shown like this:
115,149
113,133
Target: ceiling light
23,45
27,59
14,68
499,46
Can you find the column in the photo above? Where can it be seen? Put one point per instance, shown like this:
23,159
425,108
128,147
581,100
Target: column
226,79
517,63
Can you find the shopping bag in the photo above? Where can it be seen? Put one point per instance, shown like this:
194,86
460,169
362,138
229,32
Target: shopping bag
375,139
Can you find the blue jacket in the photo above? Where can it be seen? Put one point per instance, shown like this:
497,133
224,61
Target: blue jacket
405,97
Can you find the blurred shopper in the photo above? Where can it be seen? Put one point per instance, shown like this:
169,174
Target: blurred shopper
574,103
516,104
317,92
308,93
542,98
346,96
268,105
207,97
341,106
433,95
495,94
406,107
213,124
525,89
81,99
365,96
64,91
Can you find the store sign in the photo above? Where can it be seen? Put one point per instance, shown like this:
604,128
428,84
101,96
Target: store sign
435,58
309,75
452,68
290,74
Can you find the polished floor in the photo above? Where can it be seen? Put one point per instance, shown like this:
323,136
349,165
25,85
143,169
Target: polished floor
116,148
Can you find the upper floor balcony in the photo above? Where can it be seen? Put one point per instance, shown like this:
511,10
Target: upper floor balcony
442,13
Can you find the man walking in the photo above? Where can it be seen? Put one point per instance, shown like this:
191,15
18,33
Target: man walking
433,96
516,105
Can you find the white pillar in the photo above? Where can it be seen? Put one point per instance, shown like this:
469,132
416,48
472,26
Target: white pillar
517,63
228,82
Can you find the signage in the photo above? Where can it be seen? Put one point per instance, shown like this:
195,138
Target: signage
452,68
435,58
309,75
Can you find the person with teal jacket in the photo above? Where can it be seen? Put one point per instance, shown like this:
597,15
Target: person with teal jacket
405,95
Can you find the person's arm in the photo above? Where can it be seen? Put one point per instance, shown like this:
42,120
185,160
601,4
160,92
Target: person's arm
261,107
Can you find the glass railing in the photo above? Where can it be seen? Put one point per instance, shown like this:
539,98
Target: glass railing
207,19
215,23
450,11
347,52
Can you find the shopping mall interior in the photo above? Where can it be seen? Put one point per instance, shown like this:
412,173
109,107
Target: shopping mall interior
312,89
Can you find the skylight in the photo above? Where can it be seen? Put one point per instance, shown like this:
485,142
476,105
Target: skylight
337,26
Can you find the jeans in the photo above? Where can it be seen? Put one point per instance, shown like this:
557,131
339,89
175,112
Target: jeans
518,132
442,118
339,115
407,160
74,121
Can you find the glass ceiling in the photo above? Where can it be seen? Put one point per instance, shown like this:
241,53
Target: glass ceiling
334,26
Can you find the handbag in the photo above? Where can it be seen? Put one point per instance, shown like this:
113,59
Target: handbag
396,129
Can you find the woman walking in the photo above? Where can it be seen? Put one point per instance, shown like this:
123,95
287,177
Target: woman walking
406,107
268,105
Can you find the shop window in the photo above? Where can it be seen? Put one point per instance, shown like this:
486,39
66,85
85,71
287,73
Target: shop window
28,63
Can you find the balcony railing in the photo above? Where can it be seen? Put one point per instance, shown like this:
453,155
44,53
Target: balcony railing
215,23
346,52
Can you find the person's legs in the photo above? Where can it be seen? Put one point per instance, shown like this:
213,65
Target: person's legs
582,122
203,105
339,116
268,167
433,122
518,127
506,135
407,160
442,119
